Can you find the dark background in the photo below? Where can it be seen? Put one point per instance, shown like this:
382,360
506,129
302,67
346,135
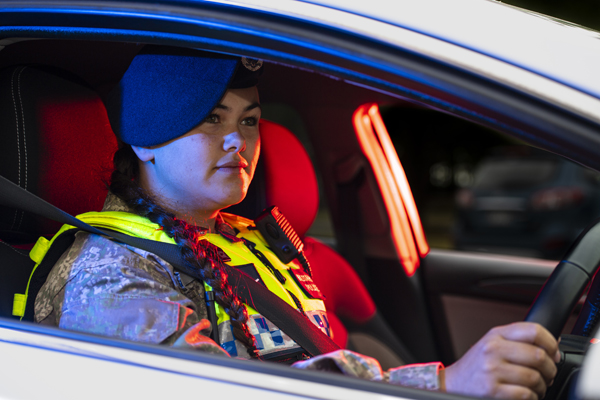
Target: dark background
582,12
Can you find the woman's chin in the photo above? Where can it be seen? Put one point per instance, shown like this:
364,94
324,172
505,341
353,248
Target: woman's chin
233,199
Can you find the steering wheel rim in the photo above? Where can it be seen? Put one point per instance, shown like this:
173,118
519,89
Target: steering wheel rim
563,289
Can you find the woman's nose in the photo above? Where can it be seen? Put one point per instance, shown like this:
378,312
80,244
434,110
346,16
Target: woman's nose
235,142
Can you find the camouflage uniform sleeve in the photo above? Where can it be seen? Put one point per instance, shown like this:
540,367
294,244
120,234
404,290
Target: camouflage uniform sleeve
109,289
345,362
422,376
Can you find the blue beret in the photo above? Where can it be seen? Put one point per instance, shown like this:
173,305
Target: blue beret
168,91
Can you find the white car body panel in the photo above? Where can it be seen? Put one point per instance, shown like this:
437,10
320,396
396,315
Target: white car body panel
68,369
588,386
565,53
566,59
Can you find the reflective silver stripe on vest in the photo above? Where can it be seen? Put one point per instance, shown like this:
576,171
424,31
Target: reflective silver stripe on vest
269,338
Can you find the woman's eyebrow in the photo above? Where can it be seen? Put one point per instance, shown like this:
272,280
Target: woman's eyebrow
253,105
248,108
223,107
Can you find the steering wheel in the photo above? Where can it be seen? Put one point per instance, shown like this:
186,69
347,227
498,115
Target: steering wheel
561,292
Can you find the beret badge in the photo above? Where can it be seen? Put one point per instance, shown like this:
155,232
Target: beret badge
252,63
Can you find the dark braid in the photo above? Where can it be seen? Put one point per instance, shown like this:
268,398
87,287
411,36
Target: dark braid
197,253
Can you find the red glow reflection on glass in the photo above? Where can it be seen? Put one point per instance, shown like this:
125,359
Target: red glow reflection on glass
594,340
399,220
400,179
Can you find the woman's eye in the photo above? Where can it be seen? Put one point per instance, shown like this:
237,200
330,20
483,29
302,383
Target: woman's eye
251,121
212,119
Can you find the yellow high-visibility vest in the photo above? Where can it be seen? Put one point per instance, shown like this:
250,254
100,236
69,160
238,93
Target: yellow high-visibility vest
238,252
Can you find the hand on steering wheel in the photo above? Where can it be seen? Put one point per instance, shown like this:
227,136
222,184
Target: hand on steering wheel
515,361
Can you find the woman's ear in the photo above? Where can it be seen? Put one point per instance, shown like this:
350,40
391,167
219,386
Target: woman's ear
145,154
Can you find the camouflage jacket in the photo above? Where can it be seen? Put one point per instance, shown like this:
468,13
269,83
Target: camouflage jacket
103,287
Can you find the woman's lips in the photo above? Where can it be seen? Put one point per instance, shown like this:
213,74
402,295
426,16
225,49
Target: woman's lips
233,166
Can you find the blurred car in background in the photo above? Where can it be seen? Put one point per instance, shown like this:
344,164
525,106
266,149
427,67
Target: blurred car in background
527,202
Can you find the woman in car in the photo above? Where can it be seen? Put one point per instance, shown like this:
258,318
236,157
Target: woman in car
188,121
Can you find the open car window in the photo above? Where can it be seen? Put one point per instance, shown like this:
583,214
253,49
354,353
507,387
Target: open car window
484,136
479,190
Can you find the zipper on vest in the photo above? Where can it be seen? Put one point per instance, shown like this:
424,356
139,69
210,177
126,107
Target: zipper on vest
298,304
209,296
179,281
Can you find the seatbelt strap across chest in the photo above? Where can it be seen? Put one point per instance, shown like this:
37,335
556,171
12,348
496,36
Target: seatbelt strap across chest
289,320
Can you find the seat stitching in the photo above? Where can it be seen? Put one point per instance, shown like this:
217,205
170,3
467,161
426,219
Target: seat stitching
24,137
12,248
12,88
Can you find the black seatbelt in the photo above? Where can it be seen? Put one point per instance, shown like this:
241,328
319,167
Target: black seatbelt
288,319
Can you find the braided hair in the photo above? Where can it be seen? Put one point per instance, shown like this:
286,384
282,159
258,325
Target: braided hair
196,252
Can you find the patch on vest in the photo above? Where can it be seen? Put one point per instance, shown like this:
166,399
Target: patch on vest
306,283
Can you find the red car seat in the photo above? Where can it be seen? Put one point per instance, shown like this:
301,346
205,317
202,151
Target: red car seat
56,143
290,183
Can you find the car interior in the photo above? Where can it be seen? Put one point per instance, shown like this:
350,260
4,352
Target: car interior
313,164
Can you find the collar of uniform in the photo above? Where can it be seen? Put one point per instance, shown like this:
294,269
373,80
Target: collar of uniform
225,229
114,203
